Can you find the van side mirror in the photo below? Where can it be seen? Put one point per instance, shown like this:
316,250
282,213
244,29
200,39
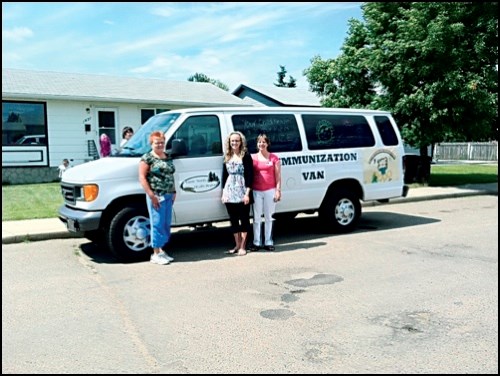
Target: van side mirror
179,148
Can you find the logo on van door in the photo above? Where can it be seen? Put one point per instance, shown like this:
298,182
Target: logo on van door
201,183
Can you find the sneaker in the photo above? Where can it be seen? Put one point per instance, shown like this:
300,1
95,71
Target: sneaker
158,259
165,255
269,248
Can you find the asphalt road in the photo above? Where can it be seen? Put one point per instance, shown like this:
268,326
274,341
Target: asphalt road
414,290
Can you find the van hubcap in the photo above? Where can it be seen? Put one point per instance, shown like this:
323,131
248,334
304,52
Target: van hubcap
344,212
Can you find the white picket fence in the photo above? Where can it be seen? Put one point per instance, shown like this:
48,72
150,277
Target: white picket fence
466,151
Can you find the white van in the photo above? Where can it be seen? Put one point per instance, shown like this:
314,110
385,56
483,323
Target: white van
331,160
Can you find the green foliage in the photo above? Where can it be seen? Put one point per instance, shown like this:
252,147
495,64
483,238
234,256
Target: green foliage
200,77
281,79
434,65
30,201
344,82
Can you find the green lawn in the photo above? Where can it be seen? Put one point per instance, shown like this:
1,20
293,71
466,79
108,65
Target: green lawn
32,201
460,174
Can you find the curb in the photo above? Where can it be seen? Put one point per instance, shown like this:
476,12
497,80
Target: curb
37,237
438,196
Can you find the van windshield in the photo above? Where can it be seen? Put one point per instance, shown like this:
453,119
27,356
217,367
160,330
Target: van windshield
139,143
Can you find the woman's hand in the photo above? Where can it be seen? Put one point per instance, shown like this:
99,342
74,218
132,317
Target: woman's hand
246,199
277,195
155,202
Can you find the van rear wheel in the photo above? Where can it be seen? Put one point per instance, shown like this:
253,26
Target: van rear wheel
128,236
341,211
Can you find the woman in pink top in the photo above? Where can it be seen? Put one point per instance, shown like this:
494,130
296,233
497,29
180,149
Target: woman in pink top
266,192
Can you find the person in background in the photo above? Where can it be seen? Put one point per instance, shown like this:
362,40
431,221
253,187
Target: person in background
105,143
127,132
237,179
266,192
156,175
63,167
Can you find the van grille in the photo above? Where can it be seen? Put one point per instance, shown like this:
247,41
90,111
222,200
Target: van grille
69,193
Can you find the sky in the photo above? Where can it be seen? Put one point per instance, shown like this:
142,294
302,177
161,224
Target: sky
235,43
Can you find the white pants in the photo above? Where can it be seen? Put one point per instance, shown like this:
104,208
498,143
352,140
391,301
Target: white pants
263,204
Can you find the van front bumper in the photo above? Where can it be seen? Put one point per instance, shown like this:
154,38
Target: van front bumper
79,221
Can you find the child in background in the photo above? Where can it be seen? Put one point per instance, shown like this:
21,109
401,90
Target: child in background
63,167
105,142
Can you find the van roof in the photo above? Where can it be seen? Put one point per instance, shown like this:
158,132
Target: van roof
280,109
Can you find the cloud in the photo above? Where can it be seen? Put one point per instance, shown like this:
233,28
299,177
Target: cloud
18,34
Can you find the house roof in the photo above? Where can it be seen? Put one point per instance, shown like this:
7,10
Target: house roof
19,83
283,96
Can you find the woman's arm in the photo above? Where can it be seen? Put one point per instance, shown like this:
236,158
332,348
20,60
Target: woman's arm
277,176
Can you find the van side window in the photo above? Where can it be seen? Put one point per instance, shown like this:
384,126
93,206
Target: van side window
337,131
200,135
386,130
282,130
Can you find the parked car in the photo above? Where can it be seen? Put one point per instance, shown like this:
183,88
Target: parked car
32,139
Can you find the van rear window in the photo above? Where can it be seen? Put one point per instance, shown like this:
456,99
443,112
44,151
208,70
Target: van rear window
325,131
386,130
282,130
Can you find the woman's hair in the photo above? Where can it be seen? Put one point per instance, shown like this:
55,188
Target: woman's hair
243,147
156,134
264,137
127,130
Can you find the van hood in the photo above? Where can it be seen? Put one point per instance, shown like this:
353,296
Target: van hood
109,168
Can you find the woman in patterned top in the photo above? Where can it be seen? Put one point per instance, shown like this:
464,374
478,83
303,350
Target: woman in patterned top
156,175
237,179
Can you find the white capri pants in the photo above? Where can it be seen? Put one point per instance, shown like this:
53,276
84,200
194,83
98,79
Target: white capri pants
263,204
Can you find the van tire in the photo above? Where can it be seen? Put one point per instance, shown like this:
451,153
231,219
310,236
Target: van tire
340,212
128,237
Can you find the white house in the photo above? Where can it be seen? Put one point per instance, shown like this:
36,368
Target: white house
50,116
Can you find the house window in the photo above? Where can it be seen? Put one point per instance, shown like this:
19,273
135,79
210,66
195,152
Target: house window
146,113
24,123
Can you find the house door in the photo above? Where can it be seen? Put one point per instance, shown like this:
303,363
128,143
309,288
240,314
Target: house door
106,123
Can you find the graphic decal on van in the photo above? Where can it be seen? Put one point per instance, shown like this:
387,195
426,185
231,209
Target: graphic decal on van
201,183
324,132
382,167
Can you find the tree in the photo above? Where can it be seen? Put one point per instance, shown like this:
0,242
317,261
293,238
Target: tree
434,66
345,81
200,77
281,79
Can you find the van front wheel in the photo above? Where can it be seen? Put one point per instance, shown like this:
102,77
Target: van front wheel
341,211
128,237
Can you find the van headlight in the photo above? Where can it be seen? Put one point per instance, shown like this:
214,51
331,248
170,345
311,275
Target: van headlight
90,192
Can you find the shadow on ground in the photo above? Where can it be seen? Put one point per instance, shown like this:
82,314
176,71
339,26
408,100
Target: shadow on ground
210,243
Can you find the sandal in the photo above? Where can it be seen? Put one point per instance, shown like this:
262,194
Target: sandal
241,252
231,251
